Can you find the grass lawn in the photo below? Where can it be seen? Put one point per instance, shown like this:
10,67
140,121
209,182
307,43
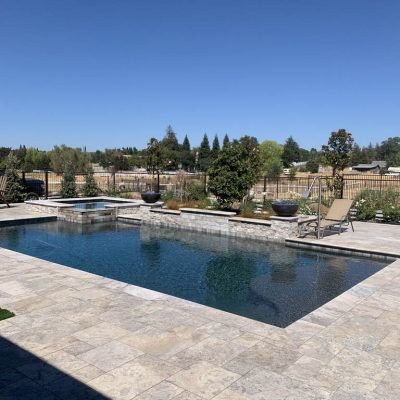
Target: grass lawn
4,314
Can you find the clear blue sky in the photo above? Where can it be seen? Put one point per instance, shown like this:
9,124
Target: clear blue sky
115,73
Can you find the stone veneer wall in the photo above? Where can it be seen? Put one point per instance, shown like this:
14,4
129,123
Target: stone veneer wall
210,221
219,222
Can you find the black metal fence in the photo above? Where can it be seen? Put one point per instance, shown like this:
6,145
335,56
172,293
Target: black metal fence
271,188
352,185
110,183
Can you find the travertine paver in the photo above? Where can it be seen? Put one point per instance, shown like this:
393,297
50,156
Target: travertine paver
81,336
347,349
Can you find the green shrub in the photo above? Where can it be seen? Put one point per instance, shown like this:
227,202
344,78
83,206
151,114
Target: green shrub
68,184
248,206
195,191
14,188
90,188
169,195
369,201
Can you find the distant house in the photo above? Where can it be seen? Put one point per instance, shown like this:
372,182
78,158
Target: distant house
374,168
393,171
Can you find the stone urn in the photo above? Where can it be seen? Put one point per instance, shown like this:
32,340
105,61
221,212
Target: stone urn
151,197
285,208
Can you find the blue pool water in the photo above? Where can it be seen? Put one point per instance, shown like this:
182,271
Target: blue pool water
266,282
91,205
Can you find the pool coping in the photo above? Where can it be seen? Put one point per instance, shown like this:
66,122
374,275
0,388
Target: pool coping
341,249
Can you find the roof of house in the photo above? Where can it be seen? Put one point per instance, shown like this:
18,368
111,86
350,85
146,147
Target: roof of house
373,165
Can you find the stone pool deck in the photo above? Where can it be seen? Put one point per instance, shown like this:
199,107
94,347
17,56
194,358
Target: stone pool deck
81,336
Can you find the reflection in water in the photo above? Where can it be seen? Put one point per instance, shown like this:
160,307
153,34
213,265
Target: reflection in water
228,278
266,282
151,250
284,265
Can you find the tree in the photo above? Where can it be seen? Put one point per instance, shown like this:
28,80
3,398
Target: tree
337,153
235,171
313,162
356,155
4,152
171,147
204,154
63,157
155,158
225,141
68,184
114,160
36,159
304,154
215,148
271,153
14,188
90,188
369,153
186,144
389,149
186,156
291,152
20,154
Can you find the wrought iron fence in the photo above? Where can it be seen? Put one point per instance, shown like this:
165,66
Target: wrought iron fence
271,188
111,183
286,187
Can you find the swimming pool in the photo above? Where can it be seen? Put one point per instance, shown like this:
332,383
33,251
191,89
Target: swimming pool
266,282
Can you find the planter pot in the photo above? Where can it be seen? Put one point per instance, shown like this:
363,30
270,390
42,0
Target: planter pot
151,197
285,208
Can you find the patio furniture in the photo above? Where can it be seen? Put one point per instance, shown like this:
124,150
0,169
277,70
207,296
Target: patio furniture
3,184
337,215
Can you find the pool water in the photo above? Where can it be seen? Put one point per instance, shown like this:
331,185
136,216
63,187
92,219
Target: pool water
266,282
93,205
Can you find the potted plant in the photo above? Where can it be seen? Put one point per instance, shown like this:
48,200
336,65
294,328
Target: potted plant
285,208
150,197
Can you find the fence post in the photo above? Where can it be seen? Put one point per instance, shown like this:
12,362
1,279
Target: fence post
341,187
46,184
277,187
265,187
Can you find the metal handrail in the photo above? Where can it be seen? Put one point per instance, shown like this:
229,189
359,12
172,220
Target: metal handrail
306,195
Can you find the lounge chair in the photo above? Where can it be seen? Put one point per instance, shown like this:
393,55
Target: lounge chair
337,215
3,184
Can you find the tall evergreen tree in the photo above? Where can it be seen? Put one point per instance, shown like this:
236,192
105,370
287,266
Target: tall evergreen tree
171,146
226,141
170,141
186,157
215,148
186,144
204,154
291,152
